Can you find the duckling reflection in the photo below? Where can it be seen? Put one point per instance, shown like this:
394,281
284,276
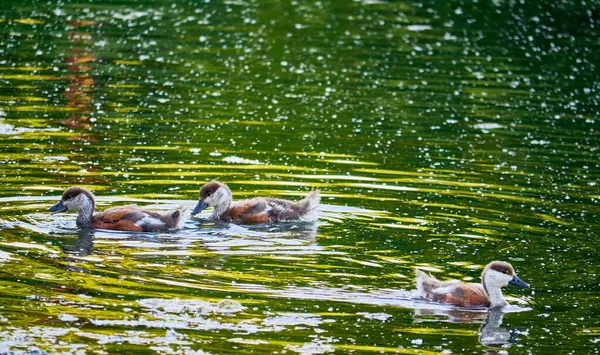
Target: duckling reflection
423,315
491,334
84,244
299,231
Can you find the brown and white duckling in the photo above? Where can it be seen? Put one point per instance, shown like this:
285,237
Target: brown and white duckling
124,218
496,275
256,210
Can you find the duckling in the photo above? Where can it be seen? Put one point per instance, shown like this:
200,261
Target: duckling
256,210
124,218
496,275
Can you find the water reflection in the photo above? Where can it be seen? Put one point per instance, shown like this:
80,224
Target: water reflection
80,88
84,244
492,335
304,231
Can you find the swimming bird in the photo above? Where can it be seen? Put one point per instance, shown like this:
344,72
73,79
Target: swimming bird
496,275
125,218
257,210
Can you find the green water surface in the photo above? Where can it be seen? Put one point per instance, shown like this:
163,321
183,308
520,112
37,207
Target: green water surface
442,134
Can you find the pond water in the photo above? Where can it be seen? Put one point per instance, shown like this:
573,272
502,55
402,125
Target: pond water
443,135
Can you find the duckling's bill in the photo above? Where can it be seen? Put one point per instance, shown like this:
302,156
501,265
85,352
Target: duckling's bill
516,281
58,208
199,207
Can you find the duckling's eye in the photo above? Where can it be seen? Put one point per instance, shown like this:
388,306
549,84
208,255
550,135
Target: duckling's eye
208,194
505,272
69,197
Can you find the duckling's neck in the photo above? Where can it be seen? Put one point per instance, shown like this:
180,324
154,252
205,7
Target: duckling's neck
494,293
224,202
220,209
86,211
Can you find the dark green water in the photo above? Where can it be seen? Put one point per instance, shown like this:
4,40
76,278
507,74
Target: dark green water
443,135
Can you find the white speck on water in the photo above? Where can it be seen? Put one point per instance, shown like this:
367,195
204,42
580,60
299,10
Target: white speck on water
56,158
179,306
67,318
202,39
293,319
4,256
10,129
32,246
237,160
215,154
486,126
449,37
376,316
418,27
458,11
417,341
247,341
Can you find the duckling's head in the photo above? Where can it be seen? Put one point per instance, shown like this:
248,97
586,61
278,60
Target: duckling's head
75,199
499,274
213,194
